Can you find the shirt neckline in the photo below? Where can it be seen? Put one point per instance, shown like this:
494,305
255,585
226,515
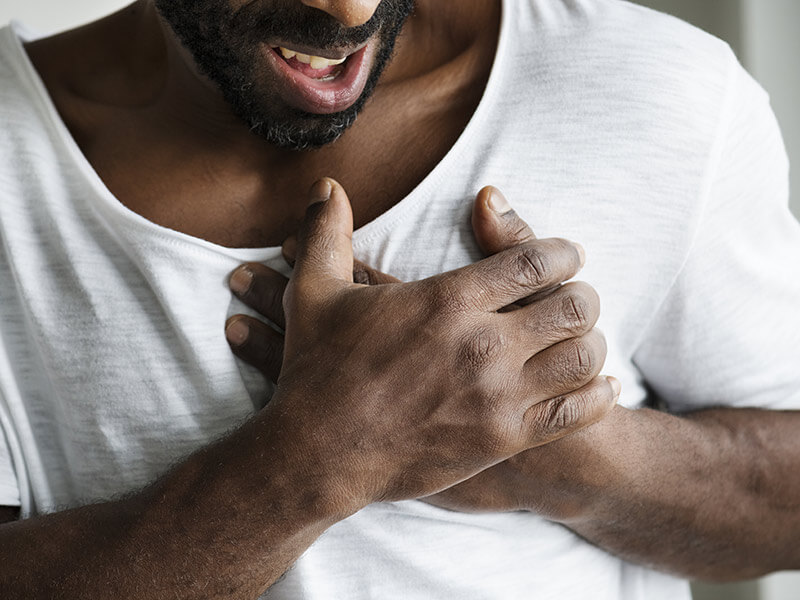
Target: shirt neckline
115,210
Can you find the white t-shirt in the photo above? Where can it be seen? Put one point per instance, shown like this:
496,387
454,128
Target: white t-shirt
626,130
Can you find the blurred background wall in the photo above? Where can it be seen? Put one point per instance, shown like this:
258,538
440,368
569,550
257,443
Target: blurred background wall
762,32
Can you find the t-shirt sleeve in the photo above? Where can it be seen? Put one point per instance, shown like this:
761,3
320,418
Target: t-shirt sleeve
728,331
9,489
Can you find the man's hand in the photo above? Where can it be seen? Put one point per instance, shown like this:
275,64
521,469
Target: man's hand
709,495
561,313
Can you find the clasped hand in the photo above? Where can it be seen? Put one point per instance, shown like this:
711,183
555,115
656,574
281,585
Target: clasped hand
408,389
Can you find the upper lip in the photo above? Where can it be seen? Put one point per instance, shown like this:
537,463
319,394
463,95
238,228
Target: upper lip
330,54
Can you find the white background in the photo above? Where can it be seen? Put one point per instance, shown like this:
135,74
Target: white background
764,35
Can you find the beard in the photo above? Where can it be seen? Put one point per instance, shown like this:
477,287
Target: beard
226,45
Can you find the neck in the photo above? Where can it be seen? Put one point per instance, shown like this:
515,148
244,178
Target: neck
167,145
434,37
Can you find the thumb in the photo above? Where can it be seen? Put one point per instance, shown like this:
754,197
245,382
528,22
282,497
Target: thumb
496,225
325,240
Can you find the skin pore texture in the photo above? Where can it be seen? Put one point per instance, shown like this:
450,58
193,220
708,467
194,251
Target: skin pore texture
711,495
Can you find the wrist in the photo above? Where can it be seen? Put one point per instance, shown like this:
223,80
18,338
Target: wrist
306,465
570,480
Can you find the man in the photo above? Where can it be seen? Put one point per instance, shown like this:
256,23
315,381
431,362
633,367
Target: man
150,153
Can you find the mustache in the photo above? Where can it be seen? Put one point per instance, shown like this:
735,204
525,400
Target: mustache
303,25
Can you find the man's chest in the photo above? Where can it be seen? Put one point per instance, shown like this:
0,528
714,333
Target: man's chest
250,195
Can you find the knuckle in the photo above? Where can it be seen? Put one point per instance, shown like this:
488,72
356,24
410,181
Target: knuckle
448,297
481,348
520,231
515,230
576,310
564,413
588,355
583,354
532,266
574,365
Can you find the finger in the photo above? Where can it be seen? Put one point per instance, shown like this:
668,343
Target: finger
495,224
289,250
498,227
366,275
256,343
362,273
555,418
511,275
566,366
570,311
324,244
261,288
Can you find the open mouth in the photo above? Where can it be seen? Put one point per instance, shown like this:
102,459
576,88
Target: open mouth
321,84
316,67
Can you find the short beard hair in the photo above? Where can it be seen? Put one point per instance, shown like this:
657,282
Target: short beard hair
225,44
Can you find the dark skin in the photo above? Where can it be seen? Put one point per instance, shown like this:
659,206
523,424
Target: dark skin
222,183
710,495
226,523
137,108
726,477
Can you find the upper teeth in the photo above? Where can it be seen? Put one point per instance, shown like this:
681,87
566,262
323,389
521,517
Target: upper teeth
316,62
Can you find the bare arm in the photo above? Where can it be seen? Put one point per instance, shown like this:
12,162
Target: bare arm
203,530
711,495
232,518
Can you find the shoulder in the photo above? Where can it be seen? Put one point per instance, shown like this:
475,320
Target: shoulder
24,108
15,87
611,27
622,53
628,93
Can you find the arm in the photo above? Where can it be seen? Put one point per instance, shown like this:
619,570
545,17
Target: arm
711,495
232,518
204,530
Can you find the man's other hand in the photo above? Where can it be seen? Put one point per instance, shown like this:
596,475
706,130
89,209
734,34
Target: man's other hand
473,366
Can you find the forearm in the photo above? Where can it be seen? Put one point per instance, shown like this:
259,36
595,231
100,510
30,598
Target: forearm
712,495
224,524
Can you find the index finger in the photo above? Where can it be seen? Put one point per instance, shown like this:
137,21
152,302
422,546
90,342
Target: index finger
513,274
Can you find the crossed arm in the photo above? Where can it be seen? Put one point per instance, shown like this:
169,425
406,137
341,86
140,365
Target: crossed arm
710,495
226,523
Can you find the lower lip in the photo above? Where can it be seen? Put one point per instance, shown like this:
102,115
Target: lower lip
323,97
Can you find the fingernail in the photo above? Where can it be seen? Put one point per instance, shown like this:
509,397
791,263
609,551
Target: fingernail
581,253
241,280
320,191
237,332
615,385
498,202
